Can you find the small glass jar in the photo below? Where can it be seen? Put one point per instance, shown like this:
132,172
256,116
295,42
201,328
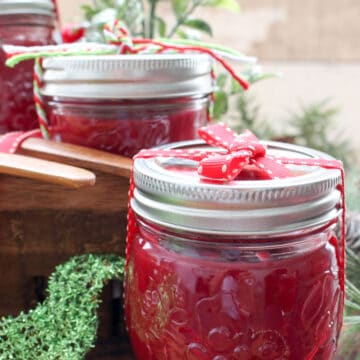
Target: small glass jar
23,23
242,270
124,103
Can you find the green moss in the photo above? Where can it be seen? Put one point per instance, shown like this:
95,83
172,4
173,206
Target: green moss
65,325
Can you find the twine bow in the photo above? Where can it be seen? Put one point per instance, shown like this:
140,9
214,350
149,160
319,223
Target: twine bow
118,41
117,34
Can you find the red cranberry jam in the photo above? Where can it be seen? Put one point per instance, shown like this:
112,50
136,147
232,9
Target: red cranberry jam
241,270
124,103
24,23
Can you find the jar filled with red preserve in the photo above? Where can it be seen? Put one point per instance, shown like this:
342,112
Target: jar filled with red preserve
124,103
246,269
22,23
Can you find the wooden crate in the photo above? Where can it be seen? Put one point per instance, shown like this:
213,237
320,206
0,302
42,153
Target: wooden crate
43,225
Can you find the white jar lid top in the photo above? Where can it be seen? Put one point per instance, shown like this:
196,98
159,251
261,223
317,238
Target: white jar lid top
128,76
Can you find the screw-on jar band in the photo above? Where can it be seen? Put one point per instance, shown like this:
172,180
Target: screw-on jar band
31,7
128,76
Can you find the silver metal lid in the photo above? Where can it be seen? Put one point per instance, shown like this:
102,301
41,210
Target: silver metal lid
128,76
170,193
36,7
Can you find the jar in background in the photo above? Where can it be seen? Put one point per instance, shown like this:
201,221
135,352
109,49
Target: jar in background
242,270
124,103
23,23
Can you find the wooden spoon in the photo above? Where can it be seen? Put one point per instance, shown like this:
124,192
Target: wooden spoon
78,156
47,171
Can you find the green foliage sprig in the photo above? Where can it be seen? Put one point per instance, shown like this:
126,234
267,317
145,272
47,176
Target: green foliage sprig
313,126
63,327
143,19
241,110
350,340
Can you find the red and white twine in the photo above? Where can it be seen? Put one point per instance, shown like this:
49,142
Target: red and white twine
117,35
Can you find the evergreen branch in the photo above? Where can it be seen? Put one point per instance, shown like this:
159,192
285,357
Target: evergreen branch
353,274
352,305
350,340
352,320
352,317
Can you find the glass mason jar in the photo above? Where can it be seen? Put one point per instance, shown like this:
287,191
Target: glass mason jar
241,270
124,103
23,23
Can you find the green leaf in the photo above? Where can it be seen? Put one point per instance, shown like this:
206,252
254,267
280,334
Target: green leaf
188,34
179,7
88,11
108,3
161,26
182,34
231,5
199,25
104,16
255,74
221,104
235,87
221,80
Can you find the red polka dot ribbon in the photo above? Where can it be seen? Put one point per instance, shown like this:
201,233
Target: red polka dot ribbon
10,142
239,153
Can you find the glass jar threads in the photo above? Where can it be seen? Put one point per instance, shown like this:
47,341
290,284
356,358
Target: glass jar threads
246,269
124,103
23,23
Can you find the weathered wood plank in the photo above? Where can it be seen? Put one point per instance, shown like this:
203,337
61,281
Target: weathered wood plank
110,350
109,194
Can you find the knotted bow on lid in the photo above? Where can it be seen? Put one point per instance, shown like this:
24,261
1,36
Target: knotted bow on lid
238,154
117,34
242,151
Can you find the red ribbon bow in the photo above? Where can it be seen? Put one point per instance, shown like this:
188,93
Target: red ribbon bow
240,154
